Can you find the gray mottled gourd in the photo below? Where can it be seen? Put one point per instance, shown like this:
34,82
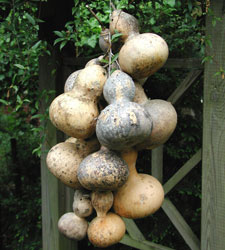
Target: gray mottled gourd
141,195
64,158
107,228
73,226
75,112
103,170
164,117
82,206
69,84
123,123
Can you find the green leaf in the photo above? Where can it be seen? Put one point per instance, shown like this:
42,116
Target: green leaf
58,33
19,100
30,18
171,3
114,57
115,37
35,46
4,102
19,66
62,45
58,40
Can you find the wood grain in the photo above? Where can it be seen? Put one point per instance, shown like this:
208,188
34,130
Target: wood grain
213,163
56,198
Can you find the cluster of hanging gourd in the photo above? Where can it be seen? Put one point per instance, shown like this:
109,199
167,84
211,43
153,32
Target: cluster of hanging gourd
98,160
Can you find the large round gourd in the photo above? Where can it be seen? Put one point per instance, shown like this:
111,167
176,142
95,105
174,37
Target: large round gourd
123,123
75,112
143,54
141,195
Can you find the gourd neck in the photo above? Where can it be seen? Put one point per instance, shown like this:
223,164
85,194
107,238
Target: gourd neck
130,157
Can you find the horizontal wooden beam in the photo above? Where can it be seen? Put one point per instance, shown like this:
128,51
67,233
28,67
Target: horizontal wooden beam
184,63
187,82
181,225
184,170
142,245
180,63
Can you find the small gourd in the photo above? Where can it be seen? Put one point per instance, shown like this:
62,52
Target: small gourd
142,55
107,228
103,170
69,84
164,117
141,195
75,112
82,206
72,226
123,23
103,41
64,158
123,123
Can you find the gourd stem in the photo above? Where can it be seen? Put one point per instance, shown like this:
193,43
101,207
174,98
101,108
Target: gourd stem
92,12
113,6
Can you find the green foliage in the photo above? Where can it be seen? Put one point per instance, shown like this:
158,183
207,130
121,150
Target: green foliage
20,205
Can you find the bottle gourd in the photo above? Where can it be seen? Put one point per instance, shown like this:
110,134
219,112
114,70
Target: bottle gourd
75,112
107,228
141,195
123,123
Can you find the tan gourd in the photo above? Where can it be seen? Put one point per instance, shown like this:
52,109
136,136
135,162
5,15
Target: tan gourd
82,206
141,195
107,228
72,226
142,55
64,159
164,117
102,170
75,112
123,23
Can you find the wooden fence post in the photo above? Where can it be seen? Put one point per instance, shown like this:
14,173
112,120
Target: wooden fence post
213,158
56,197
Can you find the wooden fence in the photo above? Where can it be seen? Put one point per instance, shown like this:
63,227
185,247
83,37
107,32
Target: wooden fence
57,199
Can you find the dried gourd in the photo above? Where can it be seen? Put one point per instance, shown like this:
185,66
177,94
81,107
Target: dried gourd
123,23
164,117
107,228
102,170
141,195
82,206
72,226
75,112
69,84
143,54
123,123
